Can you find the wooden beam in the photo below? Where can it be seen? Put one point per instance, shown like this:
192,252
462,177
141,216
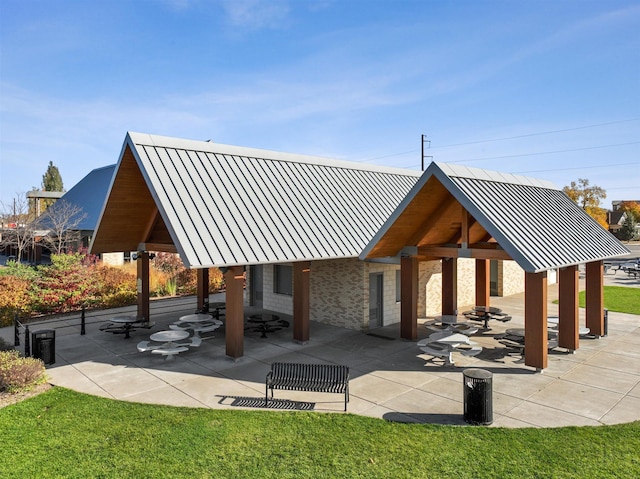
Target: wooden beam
409,298
203,288
153,217
594,283
234,319
301,281
162,247
568,324
430,221
142,285
535,320
455,252
483,282
449,286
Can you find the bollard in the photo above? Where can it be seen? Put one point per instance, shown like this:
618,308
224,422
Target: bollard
82,323
27,347
606,321
16,331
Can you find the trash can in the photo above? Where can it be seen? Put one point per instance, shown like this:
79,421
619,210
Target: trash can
478,392
43,345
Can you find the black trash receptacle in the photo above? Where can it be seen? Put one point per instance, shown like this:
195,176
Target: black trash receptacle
43,345
478,396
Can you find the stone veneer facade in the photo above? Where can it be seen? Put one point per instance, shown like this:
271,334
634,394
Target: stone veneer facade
339,290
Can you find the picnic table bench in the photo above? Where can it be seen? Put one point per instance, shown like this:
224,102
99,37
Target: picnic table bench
328,378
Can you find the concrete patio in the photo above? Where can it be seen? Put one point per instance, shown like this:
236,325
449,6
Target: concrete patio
390,379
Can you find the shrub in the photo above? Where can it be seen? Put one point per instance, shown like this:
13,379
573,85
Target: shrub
116,287
18,373
65,285
14,298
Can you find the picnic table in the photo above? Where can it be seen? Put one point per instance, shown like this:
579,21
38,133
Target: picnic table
444,343
485,314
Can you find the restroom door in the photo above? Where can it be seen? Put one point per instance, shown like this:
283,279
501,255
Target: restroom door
493,277
256,291
375,300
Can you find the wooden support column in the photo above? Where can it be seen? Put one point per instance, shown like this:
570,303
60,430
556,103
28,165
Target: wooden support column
142,284
595,297
409,298
535,320
301,277
568,327
449,286
203,289
483,282
234,322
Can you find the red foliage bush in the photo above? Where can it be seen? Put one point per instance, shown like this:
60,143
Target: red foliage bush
14,298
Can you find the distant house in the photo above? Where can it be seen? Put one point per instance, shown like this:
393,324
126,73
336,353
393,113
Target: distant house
616,219
88,195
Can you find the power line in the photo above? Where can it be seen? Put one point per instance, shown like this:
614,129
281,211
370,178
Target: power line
564,130
540,133
608,165
545,152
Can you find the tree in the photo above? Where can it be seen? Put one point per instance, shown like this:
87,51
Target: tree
588,198
51,181
18,231
628,230
61,220
631,208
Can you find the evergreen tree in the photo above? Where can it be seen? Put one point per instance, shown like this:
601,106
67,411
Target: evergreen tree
628,230
51,181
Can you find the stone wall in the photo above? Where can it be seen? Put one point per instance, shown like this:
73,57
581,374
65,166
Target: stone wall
339,290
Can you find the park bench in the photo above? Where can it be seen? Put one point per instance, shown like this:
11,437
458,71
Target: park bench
328,378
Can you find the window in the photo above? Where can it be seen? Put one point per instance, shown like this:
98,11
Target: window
283,279
398,286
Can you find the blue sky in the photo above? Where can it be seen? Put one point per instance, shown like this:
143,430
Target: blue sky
550,89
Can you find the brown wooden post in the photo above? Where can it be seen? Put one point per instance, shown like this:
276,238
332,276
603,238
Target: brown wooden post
301,273
595,297
449,286
234,322
568,324
142,285
409,298
483,282
203,289
535,320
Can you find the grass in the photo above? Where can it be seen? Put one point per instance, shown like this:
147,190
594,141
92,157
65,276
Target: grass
62,433
618,298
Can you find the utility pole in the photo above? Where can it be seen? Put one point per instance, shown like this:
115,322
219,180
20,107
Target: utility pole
424,140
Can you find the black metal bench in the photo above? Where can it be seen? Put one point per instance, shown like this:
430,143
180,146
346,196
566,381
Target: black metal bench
328,378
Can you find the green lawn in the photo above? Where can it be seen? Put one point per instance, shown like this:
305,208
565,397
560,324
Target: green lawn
619,298
62,433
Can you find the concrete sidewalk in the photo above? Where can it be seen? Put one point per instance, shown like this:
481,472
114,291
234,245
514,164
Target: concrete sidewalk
390,378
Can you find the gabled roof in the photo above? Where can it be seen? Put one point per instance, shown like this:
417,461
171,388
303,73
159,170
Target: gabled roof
222,205
88,195
529,220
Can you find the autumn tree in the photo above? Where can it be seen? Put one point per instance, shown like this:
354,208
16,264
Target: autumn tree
631,208
588,198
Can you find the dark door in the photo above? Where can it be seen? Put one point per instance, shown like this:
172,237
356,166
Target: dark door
375,300
256,285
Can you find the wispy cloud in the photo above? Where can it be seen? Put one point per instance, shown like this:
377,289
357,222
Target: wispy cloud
257,14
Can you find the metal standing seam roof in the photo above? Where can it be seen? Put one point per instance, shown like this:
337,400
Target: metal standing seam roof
537,224
226,205
89,194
